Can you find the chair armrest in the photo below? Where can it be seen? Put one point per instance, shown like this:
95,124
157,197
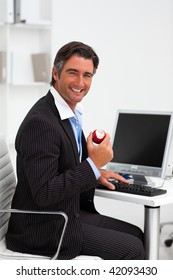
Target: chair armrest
55,256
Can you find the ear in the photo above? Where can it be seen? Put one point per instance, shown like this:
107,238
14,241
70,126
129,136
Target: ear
55,74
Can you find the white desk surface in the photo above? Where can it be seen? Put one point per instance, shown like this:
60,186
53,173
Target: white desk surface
155,201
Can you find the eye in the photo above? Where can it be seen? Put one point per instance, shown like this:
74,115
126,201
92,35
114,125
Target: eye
72,72
88,75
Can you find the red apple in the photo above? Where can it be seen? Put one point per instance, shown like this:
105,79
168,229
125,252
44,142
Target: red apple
98,135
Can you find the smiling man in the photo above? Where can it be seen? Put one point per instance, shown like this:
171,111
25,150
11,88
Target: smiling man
58,170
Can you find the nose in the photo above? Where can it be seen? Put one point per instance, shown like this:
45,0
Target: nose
80,81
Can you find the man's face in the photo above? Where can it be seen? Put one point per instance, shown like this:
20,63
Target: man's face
75,79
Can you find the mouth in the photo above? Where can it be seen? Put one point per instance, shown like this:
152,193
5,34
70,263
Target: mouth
76,90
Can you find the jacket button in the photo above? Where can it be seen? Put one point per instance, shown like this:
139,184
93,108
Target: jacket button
77,215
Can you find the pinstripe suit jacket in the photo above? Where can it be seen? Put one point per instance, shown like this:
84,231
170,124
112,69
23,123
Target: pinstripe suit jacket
50,177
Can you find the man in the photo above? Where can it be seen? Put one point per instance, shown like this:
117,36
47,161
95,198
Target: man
58,169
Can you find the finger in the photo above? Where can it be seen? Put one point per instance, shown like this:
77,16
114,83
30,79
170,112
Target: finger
89,139
120,178
107,183
106,139
89,136
110,185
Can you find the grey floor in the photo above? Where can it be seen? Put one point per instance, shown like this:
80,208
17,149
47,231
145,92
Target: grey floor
166,253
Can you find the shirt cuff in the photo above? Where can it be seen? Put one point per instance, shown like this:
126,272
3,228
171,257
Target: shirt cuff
94,168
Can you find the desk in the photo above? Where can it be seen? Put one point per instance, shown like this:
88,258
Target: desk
152,213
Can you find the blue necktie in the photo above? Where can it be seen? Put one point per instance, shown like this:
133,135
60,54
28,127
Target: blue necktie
78,134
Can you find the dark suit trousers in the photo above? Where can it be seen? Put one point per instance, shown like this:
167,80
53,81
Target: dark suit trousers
110,239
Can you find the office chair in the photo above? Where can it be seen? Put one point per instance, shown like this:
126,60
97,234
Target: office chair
7,188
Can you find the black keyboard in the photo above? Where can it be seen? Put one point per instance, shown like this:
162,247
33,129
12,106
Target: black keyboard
134,189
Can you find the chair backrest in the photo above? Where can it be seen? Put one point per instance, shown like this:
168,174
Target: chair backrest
7,185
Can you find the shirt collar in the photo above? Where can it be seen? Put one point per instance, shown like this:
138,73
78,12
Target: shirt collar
63,108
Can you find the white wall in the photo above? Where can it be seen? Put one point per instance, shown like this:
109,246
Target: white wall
134,40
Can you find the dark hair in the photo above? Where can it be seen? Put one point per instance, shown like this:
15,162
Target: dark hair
77,48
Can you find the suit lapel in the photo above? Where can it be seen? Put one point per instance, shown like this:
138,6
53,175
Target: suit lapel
69,131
